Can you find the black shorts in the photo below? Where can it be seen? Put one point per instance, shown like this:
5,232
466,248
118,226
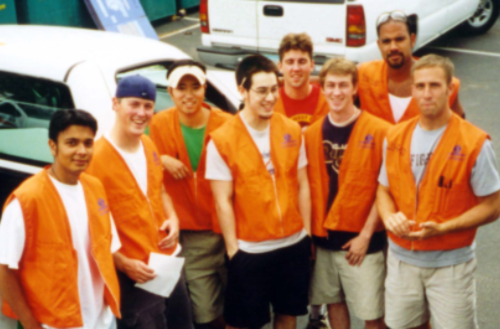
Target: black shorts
143,310
279,278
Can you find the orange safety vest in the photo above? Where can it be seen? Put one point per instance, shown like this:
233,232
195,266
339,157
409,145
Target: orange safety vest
450,165
137,217
265,205
358,176
374,94
321,110
191,196
48,270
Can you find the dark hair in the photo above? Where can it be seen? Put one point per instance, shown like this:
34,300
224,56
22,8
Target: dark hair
296,41
252,65
62,119
185,62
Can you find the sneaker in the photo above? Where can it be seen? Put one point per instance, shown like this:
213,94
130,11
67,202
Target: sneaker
319,323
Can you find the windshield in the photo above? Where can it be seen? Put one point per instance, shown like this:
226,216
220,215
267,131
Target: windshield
157,73
26,107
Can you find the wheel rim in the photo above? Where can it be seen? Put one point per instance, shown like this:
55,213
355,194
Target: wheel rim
483,14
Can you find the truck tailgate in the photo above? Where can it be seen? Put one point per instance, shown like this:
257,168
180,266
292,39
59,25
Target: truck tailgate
233,23
323,20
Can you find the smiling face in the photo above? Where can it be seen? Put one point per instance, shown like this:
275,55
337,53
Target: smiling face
73,149
395,43
296,66
133,114
339,92
262,95
189,94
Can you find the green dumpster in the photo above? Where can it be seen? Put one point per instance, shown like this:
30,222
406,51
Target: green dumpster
158,9
186,4
8,12
54,12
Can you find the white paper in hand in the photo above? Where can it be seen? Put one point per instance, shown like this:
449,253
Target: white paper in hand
168,271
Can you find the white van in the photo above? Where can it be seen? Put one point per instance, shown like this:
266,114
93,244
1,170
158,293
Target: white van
233,29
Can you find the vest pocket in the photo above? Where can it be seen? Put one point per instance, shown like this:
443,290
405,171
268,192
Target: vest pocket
355,199
126,209
54,272
457,199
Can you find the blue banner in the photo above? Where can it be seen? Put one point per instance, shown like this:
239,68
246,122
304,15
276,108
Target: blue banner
123,16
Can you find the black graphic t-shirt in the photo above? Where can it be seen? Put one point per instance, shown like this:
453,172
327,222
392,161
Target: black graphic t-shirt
335,140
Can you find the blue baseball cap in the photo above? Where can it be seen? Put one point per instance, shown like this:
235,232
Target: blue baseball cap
136,86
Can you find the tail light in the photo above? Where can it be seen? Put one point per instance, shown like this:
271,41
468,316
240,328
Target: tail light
356,26
204,16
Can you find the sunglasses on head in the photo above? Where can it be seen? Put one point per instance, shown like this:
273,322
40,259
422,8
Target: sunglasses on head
396,15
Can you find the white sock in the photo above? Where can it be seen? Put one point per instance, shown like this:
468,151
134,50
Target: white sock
316,311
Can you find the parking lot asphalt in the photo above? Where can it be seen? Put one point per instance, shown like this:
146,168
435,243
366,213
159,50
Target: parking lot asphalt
477,65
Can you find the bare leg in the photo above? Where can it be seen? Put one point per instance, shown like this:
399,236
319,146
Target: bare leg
284,321
375,324
338,314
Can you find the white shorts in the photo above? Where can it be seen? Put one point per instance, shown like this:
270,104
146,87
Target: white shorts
413,294
362,287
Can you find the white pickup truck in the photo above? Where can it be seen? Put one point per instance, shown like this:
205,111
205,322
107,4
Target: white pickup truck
233,29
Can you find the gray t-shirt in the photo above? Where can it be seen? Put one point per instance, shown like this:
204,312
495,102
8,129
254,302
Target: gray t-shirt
484,181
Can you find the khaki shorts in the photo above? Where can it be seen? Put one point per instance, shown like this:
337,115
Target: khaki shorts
413,294
206,274
335,281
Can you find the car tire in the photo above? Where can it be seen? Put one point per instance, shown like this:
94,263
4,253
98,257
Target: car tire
483,19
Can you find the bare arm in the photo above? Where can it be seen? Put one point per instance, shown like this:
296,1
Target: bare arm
371,223
395,222
133,268
487,211
457,108
11,292
305,199
171,224
359,245
223,195
175,167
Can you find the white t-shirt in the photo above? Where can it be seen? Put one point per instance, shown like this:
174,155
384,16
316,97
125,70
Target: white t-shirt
398,106
96,315
136,162
217,169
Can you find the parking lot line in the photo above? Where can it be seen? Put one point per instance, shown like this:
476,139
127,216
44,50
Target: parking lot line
465,51
166,35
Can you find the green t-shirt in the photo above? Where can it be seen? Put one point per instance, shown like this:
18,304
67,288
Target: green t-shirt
194,143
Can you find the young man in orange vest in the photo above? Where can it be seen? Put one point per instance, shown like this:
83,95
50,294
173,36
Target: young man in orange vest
257,165
385,85
57,240
299,99
129,166
438,184
344,152
181,134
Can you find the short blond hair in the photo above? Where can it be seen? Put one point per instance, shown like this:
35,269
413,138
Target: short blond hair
339,66
433,60
296,41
